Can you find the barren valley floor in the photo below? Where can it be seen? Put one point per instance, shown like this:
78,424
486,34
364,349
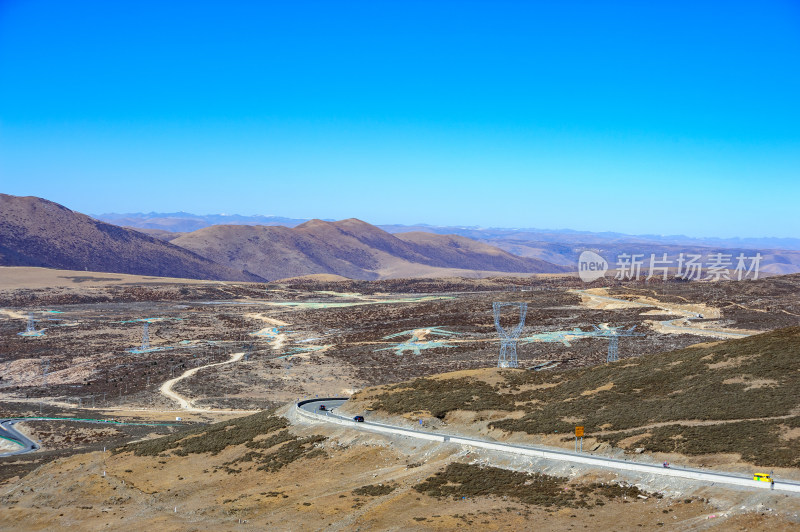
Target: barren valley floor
233,348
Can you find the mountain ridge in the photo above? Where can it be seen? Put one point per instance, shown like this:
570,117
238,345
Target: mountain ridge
351,248
39,232
562,247
155,220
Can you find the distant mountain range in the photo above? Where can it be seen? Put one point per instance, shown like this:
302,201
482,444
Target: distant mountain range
569,236
184,222
561,247
38,232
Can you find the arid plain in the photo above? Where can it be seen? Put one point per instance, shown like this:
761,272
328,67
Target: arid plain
219,351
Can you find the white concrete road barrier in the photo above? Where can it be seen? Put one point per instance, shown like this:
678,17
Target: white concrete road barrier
578,458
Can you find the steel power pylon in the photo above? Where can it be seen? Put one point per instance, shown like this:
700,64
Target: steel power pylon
31,329
613,349
508,339
613,335
45,363
145,337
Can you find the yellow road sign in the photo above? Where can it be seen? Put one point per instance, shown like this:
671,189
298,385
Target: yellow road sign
579,432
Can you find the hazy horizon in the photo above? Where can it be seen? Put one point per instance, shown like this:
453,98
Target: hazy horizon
425,224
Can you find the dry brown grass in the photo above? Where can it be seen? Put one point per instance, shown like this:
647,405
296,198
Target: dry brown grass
718,387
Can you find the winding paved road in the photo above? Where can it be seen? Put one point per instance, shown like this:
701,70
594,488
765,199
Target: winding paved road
9,433
310,410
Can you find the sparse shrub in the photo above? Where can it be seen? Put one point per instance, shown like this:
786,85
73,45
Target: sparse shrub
709,383
467,480
439,397
374,490
211,438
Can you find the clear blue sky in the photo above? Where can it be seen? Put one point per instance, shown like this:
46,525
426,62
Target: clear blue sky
639,117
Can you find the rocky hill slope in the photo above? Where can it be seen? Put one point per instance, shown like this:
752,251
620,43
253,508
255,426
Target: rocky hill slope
350,248
38,232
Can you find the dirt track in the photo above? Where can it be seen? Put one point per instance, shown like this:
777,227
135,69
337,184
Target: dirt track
186,404
598,298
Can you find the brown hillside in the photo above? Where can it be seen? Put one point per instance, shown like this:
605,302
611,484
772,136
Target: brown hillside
350,248
260,473
454,249
737,397
37,232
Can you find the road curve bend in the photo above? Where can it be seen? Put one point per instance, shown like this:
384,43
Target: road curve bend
309,410
9,433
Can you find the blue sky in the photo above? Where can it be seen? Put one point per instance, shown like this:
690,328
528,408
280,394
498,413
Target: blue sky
638,117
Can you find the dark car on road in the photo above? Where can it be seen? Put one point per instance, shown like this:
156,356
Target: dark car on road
322,407
358,418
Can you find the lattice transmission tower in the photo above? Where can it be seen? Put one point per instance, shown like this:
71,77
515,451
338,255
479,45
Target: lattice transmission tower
31,329
45,363
613,336
145,337
508,338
